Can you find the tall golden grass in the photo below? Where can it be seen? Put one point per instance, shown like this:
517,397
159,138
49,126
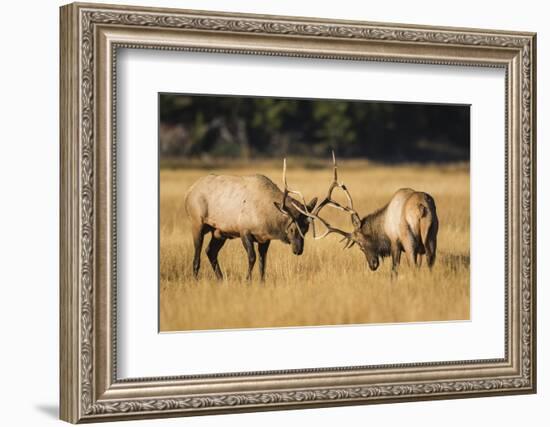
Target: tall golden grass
327,285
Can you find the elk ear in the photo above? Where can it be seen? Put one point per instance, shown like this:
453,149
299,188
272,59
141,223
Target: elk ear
356,221
311,204
280,208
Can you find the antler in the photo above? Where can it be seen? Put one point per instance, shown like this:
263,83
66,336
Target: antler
329,228
286,191
328,201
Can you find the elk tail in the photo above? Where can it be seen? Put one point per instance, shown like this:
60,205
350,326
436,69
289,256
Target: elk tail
425,222
428,232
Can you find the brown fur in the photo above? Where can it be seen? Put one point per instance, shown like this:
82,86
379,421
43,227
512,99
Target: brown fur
242,207
408,223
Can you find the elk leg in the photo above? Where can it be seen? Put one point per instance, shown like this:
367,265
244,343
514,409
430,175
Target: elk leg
262,250
395,259
431,246
198,237
248,244
412,256
212,252
411,250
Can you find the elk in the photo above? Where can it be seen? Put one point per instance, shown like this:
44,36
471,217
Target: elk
408,223
251,208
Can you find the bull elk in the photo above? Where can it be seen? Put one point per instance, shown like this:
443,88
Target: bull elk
408,223
251,208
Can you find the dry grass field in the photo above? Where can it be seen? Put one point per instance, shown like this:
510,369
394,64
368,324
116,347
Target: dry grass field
326,285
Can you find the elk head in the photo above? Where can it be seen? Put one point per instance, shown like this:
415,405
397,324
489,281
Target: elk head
298,216
357,236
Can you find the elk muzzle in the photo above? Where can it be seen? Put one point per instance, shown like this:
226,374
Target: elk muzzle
373,263
297,246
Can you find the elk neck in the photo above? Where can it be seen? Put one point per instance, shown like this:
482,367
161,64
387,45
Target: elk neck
372,226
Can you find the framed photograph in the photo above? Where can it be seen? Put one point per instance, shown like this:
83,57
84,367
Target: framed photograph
265,212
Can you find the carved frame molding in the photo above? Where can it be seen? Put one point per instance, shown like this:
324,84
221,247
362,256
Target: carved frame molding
90,36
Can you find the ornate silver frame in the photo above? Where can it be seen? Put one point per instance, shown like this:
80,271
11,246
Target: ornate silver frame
90,36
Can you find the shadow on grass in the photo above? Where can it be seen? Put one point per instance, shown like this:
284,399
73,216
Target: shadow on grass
455,262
